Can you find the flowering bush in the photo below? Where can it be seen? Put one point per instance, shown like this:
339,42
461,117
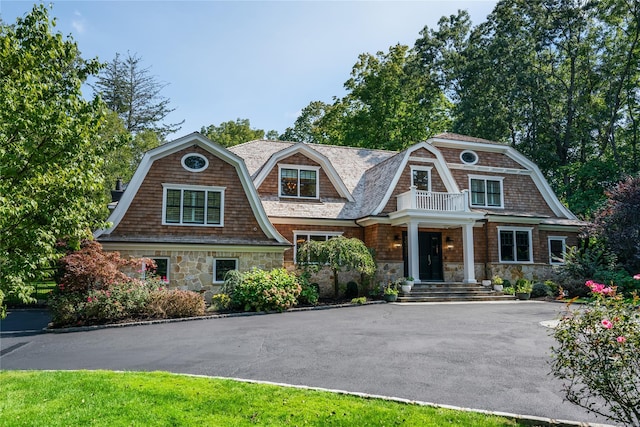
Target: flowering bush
598,355
262,290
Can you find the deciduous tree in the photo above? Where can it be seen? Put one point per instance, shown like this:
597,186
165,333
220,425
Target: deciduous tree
50,152
232,132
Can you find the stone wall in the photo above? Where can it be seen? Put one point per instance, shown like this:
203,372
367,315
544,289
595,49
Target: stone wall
193,270
536,272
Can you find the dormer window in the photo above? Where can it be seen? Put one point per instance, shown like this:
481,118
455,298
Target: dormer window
486,191
421,177
299,181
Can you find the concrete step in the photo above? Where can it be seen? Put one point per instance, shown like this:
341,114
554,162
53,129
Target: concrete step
450,298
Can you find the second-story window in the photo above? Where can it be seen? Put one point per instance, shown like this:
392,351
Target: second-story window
193,205
299,181
486,191
421,177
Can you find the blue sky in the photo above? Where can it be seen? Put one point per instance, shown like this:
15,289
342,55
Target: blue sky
257,60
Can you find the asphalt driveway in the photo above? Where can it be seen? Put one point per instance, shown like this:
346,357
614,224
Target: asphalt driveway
492,356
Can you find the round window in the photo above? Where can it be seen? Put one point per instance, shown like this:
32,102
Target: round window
469,157
195,162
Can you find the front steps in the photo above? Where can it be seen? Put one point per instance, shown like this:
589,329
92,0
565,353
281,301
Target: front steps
441,291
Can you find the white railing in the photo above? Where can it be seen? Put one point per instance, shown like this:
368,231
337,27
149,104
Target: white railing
433,201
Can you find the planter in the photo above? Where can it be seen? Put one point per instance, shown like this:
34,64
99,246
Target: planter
523,295
405,289
409,282
390,297
486,283
497,288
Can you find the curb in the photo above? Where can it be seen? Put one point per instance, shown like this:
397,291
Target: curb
530,420
213,316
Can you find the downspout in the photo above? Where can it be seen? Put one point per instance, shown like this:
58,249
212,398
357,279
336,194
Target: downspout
487,273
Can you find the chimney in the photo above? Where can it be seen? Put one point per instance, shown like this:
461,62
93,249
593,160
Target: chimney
116,194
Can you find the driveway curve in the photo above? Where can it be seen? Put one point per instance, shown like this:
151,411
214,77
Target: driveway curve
492,356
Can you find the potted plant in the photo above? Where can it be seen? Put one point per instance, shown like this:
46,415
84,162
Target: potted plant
406,285
523,289
390,292
486,282
497,283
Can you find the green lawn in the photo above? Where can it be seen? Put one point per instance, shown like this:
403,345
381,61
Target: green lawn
104,398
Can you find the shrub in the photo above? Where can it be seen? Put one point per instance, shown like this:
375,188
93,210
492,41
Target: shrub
541,290
221,302
91,267
171,304
266,291
598,355
309,292
117,302
359,301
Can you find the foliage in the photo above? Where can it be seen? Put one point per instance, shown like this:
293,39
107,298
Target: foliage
51,152
232,133
509,290
339,254
109,304
260,290
106,398
598,355
221,302
523,286
390,289
497,280
359,301
174,303
541,290
581,264
309,293
133,93
617,223
92,268
390,104
231,279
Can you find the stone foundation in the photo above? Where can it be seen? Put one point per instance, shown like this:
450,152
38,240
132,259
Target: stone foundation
511,272
193,270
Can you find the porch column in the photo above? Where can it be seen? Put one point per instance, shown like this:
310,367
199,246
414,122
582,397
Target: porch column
412,246
468,254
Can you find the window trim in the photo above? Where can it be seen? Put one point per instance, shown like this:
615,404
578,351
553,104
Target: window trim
206,162
215,260
424,169
315,169
529,231
563,239
486,178
296,233
182,188
472,152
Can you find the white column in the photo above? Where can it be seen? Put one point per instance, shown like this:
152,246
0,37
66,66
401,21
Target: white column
467,248
413,248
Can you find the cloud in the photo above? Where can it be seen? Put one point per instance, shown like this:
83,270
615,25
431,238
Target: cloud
78,23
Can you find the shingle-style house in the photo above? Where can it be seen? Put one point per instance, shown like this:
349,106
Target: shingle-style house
450,209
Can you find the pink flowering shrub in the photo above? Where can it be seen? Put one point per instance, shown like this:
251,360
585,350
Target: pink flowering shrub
598,355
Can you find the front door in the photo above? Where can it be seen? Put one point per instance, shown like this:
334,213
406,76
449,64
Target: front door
430,256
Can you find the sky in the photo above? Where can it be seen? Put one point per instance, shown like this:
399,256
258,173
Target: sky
258,60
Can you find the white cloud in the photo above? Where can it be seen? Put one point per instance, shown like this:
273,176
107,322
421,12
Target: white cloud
78,23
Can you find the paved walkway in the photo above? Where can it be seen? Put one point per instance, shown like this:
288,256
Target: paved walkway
492,356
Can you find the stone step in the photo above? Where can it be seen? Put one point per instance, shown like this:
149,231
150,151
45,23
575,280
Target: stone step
451,291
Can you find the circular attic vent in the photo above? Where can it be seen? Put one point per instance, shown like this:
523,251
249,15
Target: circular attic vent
469,157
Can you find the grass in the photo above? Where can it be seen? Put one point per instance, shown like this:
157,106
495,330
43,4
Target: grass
104,398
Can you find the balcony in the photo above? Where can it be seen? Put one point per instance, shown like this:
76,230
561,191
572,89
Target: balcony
433,201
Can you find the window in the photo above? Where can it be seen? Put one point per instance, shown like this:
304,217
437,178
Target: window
193,205
486,191
469,157
194,162
299,181
421,177
557,249
515,245
161,271
221,266
303,236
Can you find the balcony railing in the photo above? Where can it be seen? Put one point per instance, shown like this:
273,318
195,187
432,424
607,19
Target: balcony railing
433,201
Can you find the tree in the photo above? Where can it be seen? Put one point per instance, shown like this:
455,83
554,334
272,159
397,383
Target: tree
134,94
50,163
339,254
617,223
233,133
